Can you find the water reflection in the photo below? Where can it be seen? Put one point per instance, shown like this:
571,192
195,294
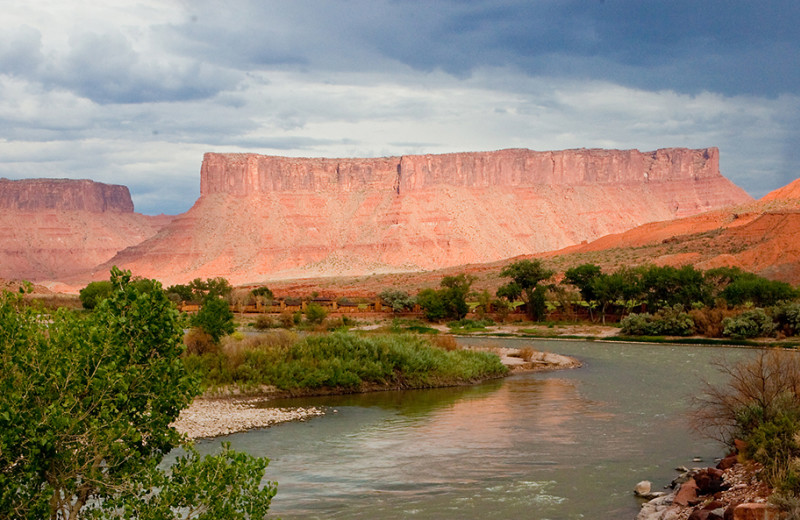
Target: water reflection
561,445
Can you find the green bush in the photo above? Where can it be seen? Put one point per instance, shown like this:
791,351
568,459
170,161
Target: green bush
315,313
264,322
398,300
215,318
668,321
760,405
750,324
787,317
468,324
673,321
639,325
343,360
94,293
432,304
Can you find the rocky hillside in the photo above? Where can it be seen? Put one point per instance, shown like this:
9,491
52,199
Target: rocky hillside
262,217
761,237
53,228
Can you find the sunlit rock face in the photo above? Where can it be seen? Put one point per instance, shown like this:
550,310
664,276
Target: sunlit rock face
261,217
53,228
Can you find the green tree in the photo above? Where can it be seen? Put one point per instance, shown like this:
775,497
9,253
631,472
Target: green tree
582,277
528,274
180,293
263,294
430,301
454,292
94,293
86,404
668,286
398,300
751,288
214,318
316,313
510,291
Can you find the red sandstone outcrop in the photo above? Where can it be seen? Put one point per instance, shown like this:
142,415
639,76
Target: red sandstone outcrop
262,217
788,192
760,237
53,228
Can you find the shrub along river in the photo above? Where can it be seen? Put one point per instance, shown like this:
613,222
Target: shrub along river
560,445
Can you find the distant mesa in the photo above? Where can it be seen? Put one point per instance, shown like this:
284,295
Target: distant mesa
265,217
64,195
51,229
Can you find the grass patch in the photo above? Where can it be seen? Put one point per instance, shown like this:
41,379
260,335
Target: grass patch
466,325
343,361
400,325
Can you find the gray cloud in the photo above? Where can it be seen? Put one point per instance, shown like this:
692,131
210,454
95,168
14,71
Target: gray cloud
135,95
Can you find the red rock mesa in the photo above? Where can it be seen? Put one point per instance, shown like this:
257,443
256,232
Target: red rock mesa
53,228
261,217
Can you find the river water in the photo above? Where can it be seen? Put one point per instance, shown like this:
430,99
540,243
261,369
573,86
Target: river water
560,445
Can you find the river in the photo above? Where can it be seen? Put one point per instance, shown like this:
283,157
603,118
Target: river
560,445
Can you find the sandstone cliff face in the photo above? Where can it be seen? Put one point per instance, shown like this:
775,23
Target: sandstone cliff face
64,195
245,175
53,228
262,217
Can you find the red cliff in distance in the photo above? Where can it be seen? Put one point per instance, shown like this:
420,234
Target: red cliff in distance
53,228
64,195
264,217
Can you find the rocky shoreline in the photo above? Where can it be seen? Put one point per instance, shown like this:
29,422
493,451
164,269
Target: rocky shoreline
729,491
213,417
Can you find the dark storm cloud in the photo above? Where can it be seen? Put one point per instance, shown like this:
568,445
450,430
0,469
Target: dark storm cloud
732,47
135,93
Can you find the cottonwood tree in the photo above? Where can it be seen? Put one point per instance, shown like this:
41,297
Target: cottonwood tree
86,404
527,275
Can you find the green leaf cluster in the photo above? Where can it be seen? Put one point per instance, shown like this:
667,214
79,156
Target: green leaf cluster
450,301
86,404
215,318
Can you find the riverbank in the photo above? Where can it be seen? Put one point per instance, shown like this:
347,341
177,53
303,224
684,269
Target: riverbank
225,411
214,417
713,494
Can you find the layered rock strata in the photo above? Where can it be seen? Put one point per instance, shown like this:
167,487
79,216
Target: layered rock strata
53,228
262,217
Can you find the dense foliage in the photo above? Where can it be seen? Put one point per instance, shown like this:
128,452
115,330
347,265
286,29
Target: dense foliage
198,290
214,318
448,302
526,277
343,360
760,405
398,300
86,403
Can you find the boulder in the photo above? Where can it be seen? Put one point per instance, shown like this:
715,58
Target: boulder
642,488
709,481
728,462
687,494
753,511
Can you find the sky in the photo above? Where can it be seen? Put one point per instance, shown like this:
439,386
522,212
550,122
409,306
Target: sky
134,92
